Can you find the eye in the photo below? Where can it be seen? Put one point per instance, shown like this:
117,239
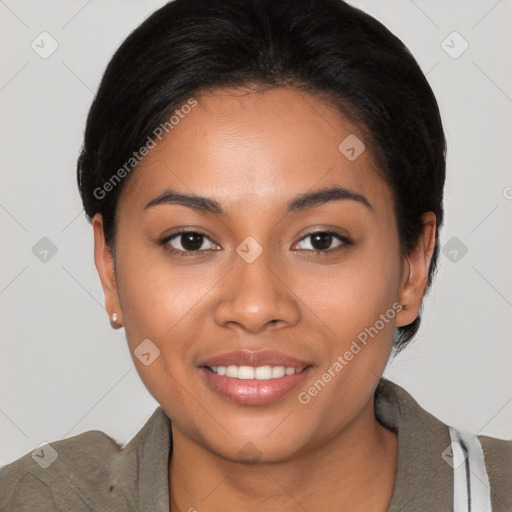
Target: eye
322,241
188,242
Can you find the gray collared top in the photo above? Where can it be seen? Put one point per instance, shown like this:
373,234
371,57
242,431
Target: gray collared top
92,472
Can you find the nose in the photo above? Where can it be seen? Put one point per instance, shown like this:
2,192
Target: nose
255,297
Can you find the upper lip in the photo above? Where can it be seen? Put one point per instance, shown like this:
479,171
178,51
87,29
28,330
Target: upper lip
254,358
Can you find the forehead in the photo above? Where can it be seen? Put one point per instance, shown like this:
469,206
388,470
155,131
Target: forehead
243,147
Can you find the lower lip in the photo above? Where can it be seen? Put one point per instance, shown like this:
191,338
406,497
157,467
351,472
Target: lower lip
253,392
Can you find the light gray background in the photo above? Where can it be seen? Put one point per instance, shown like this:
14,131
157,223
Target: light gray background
65,371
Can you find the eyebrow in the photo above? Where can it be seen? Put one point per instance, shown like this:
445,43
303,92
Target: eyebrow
298,203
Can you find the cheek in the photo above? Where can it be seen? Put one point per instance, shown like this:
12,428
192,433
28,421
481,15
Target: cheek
159,302
156,300
157,294
350,297
355,303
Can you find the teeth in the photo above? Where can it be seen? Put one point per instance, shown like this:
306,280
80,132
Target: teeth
263,372
245,372
232,371
278,371
252,373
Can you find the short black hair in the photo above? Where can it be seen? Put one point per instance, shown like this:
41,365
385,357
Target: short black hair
325,47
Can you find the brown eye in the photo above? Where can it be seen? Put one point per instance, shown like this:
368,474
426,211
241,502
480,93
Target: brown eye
323,241
189,241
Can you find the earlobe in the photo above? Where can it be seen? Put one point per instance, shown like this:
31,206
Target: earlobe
415,272
104,262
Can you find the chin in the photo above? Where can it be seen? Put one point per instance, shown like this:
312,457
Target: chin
257,449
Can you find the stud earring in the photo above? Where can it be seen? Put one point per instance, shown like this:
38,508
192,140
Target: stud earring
114,318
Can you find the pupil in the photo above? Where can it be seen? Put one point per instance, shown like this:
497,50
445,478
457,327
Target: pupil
321,241
192,241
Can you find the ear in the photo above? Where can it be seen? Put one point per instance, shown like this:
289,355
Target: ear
105,265
415,272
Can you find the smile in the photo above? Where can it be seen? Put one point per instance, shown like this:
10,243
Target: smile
266,372
248,385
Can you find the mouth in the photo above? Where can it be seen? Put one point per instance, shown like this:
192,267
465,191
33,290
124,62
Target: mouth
259,378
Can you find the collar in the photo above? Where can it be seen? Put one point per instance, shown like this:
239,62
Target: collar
424,481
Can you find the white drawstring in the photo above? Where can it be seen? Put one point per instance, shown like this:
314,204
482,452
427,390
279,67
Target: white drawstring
471,489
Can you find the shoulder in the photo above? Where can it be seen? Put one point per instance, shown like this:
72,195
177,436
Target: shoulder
488,472
78,473
498,462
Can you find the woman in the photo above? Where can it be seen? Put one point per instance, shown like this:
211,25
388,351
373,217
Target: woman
265,182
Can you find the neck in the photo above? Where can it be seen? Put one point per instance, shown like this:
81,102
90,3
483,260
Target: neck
337,474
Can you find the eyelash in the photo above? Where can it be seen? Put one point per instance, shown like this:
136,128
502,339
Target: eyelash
165,242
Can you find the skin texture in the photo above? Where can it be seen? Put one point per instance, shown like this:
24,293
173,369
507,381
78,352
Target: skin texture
253,152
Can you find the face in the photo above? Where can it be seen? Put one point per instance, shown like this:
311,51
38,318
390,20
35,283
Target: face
272,253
